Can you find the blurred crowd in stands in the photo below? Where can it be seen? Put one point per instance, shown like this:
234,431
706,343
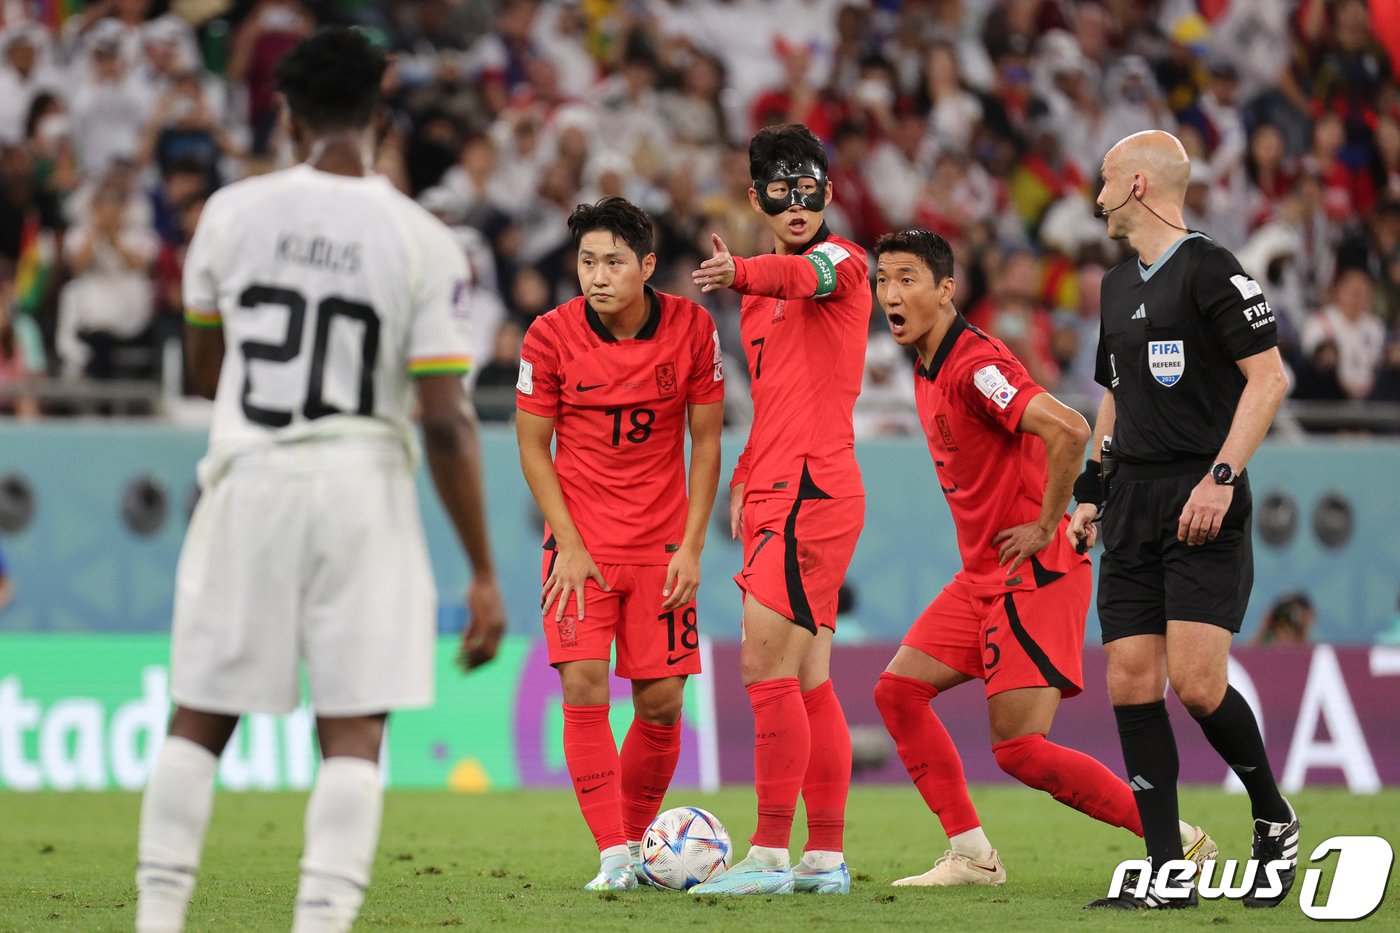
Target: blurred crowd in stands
984,120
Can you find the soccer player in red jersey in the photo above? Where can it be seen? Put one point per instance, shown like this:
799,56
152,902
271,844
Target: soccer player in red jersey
798,501
612,378
1006,453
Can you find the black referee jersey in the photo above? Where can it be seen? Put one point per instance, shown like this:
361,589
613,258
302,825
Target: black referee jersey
1169,336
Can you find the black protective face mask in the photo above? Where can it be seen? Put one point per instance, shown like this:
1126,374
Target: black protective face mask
792,174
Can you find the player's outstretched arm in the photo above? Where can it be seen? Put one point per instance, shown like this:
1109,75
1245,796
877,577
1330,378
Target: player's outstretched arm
454,460
1065,432
204,357
683,574
791,278
574,565
1082,531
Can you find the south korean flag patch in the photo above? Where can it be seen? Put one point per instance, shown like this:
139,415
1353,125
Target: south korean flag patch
991,383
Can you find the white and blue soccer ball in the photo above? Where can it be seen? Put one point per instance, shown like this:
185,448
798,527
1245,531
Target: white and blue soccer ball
685,847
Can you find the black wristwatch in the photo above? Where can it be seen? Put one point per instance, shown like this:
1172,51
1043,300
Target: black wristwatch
1223,474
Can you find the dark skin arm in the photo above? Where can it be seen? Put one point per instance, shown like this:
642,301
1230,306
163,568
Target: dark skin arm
454,461
204,357
1065,432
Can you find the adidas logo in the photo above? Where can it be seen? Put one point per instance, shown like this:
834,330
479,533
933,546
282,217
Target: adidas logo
1140,783
1140,313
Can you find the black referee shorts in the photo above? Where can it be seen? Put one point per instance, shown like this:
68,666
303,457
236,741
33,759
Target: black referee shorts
1147,576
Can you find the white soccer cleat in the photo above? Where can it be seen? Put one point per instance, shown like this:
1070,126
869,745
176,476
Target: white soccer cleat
953,870
615,874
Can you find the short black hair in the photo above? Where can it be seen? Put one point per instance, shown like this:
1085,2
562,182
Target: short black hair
331,79
930,247
792,143
620,217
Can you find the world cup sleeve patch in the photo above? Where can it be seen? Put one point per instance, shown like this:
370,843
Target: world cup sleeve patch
1246,286
526,383
461,300
992,384
835,253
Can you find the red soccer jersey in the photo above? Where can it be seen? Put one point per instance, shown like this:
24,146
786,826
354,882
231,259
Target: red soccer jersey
619,410
804,322
971,398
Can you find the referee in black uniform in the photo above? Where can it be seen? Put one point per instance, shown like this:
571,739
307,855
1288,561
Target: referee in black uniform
1189,356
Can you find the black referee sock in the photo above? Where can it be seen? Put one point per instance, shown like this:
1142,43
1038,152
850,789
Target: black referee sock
1149,751
1233,732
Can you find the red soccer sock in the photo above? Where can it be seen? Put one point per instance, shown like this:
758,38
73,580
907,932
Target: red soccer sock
781,749
591,755
927,750
1073,778
649,756
828,778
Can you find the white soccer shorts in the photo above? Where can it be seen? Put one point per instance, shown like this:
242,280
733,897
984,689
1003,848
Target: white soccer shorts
311,552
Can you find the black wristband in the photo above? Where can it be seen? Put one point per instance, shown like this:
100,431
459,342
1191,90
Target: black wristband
1088,490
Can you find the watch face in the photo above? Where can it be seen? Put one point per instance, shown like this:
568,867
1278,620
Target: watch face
1223,474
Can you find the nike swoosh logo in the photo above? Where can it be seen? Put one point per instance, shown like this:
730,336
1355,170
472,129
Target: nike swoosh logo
580,387
920,777
678,660
589,790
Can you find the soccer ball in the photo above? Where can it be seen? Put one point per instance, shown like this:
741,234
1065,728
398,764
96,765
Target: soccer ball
684,847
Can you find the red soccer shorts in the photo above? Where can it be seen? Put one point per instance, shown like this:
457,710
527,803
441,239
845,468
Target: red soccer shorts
1029,638
796,554
651,642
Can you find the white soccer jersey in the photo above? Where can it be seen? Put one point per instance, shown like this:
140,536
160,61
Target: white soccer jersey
332,292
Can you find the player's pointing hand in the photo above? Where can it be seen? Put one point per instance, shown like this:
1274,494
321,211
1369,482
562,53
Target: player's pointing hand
716,272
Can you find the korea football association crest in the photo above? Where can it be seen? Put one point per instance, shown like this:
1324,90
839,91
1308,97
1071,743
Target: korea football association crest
1166,360
666,379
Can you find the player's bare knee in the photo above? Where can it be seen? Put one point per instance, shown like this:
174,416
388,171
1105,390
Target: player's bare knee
351,736
659,710
209,730
757,665
754,669
1199,693
585,683
1007,728
1130,685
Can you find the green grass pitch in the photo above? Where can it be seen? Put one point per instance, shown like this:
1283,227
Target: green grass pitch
517,861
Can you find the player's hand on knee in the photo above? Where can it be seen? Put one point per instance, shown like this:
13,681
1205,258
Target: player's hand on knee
1083,528
1204,512
487,611
736,510
682,578
1021,542
573,568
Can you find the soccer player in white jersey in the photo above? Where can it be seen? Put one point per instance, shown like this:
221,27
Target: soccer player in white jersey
318,298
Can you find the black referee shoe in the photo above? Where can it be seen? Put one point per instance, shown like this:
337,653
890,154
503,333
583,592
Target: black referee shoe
1149,901
1274,842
